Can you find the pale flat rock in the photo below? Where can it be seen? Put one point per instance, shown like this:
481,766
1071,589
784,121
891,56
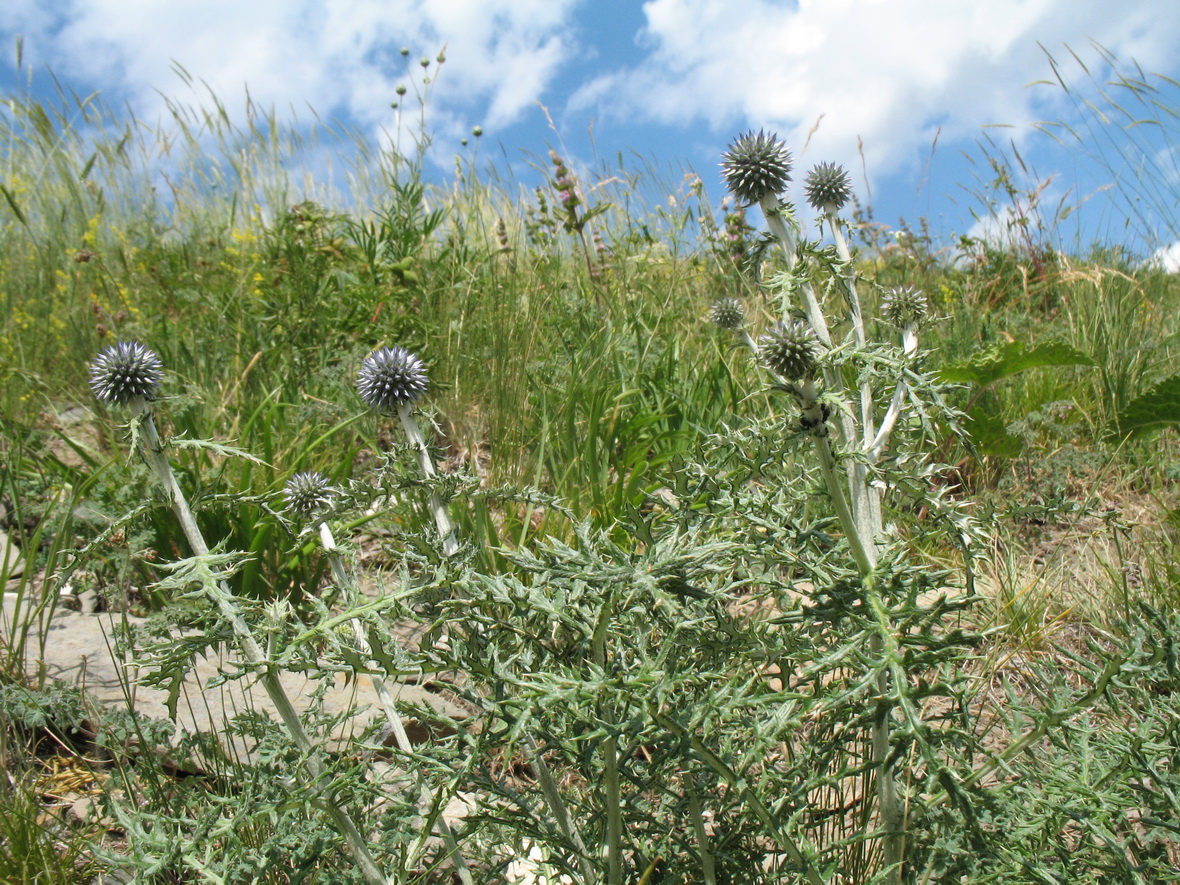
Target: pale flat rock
78,650
12,563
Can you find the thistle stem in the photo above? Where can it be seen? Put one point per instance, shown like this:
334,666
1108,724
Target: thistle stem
864,552
558,809
153,452
855,314
442,519
392,717
610,774
800,855
446,530
708,872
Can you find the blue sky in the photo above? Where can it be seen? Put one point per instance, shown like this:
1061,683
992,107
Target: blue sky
900,91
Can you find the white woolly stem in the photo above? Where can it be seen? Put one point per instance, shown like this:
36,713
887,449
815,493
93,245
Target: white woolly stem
392,717
152,449
855,314
774,211
451,546
909,338
859,530
442,519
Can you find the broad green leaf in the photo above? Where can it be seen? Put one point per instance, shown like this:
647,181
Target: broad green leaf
990,435
1002,360
1157,408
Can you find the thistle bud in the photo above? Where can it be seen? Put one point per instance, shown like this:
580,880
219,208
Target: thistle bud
727,313
755,166
125,371
904,306
790,349
827,185
308,493
391,377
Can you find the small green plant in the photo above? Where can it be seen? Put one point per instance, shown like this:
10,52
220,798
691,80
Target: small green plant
130,374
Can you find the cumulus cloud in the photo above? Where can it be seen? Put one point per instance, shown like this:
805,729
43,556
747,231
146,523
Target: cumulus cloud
1167,258
891,73
340,58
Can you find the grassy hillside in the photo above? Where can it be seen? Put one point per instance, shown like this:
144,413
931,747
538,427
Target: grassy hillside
679,665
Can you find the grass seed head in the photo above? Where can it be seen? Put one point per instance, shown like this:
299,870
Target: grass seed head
391,377
756,165
125,371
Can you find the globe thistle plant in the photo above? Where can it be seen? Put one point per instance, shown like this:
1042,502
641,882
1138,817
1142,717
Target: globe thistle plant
126,371
827,187
836,376
390,378
390,381
308,494
756,166
791,350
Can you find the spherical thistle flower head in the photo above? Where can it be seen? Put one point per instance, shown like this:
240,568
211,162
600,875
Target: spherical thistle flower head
790,349
756,165
727,313
308,493
125,371
827,185
391,377
904,306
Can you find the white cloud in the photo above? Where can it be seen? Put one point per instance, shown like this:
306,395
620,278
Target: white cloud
892,72
338,57
1166,258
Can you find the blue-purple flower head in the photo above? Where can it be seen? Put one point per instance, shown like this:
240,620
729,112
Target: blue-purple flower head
756,166
308,493
827,185
791,349
389,378
727,313
125,371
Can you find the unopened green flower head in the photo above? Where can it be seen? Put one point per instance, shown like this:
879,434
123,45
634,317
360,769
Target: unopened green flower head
827,185
790,349
904,306
125,371
308,493
391,377
728,313
755,166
